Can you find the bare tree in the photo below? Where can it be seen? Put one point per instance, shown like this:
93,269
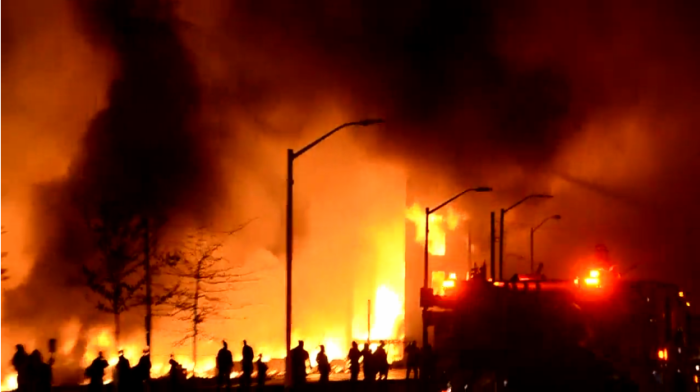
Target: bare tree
115,274
204,275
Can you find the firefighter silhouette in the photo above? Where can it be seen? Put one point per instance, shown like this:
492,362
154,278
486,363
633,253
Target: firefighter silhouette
262,372
324,367
20,362
354,357
248,358
224,365
123,376
299,358
38,372
96,372
381,361
368,363
176,373
412,360
141,373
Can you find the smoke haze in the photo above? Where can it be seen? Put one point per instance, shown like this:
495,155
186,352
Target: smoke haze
187,113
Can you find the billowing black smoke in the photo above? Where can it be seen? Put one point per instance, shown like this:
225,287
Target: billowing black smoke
433,69
147,154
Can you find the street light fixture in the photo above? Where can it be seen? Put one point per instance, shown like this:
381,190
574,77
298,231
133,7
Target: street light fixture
532,241
501,236
291,156
429,211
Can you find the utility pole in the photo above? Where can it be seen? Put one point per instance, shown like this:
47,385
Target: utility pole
291,156
288,331
149,298
369,315
501,239
469,246
493,246
425,250
425,273
532,250
428,211
532,241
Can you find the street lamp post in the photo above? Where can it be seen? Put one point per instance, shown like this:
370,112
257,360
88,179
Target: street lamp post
291,156
501,238
532,241
428,211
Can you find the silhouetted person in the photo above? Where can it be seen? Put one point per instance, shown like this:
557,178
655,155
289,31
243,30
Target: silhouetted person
412,361
224,364
373,368
324,367
39,373
354,357
175,374
96,372
20,361
141,373
367,362
381,361
428,362
299,359
262,372
123,373
248,358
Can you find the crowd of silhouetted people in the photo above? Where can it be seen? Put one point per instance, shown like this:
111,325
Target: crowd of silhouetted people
33,374
375,365
126,377
224,367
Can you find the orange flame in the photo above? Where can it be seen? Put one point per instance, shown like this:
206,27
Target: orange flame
438,226
9,383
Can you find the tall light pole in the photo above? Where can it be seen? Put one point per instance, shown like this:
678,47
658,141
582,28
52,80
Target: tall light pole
532,241
428,211
291,156
501,238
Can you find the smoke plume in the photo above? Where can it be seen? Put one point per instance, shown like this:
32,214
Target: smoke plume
594,102
149,153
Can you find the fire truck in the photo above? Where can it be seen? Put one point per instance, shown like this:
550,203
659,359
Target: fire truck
596,332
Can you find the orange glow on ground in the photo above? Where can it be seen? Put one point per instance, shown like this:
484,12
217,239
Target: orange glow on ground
9,383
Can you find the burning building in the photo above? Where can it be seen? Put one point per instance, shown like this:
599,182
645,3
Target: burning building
183,113
456,243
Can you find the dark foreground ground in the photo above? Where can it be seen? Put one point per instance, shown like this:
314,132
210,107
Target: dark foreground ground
209,385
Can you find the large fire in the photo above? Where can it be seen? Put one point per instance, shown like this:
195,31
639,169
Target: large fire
386,316
438,225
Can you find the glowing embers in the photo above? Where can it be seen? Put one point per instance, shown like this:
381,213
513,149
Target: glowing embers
663,354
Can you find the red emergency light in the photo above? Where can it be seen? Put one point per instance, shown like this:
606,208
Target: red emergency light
663,354
592,280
